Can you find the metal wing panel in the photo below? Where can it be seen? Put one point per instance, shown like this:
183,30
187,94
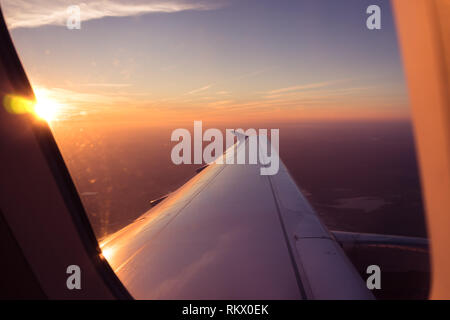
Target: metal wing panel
324,269
230,233
218,246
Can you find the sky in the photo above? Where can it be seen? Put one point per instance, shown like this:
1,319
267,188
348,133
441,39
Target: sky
164,61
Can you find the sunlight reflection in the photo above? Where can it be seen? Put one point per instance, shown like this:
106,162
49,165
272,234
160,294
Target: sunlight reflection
107,253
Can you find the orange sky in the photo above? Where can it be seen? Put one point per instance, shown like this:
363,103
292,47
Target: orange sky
234,61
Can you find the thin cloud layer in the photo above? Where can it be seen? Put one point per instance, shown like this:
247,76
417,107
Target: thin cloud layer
306,86
35,13
200,89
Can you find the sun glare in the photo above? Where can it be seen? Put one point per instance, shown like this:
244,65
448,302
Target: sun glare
45,108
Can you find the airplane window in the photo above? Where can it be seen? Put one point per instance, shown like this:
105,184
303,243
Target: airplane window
115,79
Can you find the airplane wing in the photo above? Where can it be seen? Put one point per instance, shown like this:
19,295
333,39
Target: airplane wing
231,233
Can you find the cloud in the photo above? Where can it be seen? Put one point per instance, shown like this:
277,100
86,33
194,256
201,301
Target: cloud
302,87
75,104
253,74
35,13
200,89
321,92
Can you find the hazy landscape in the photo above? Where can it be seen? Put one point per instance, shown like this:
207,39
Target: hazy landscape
359,176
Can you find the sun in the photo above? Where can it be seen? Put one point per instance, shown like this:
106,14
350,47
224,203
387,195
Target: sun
46,110
45,107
